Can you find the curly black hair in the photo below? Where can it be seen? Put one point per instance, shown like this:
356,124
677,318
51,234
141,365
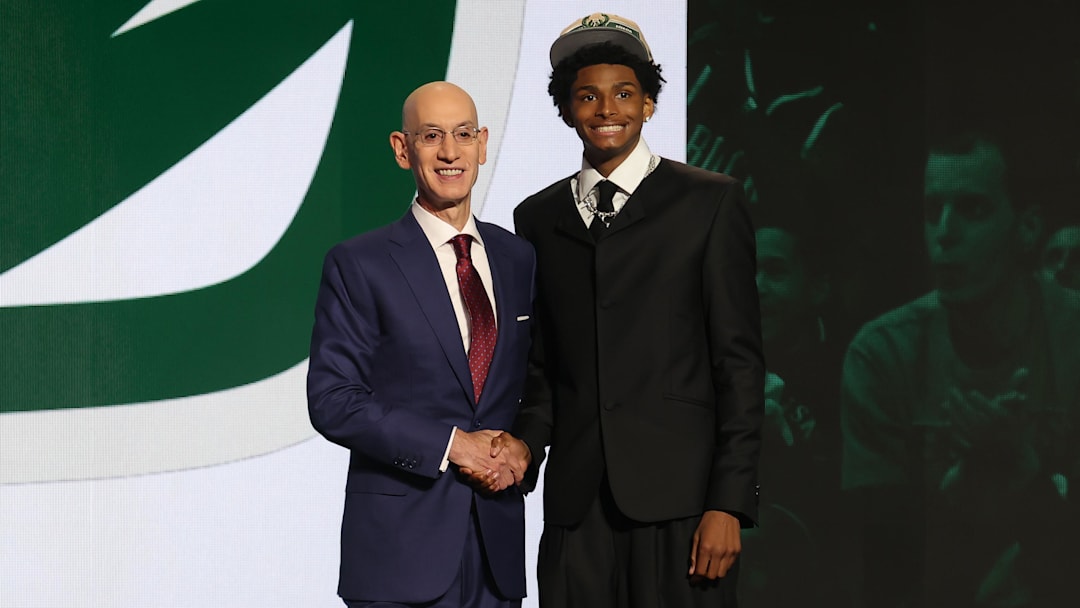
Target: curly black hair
565,73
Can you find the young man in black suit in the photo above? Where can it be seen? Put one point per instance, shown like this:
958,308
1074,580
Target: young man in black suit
647,376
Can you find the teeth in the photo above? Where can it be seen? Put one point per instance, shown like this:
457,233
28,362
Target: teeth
610,129
449,172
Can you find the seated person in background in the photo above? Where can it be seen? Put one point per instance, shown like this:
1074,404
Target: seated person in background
957,407
795,557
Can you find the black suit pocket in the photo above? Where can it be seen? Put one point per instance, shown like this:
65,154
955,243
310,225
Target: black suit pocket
689,400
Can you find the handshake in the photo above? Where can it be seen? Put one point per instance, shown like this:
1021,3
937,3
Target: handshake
490,460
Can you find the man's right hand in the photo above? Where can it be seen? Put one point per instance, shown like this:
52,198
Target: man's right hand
514,456
472,451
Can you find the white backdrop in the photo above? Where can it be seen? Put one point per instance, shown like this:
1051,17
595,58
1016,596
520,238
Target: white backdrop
262,531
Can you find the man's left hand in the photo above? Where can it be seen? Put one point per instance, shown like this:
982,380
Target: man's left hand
717,544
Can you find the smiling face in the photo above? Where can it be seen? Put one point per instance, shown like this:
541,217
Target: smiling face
444,173
607,108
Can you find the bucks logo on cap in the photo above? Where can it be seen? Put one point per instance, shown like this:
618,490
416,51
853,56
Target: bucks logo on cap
595,20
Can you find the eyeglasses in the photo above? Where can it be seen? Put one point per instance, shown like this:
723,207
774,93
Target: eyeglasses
433,136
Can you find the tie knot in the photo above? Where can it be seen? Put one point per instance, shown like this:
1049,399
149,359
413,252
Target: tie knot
461,245
607,195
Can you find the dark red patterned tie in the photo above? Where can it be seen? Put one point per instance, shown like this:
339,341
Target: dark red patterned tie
482,332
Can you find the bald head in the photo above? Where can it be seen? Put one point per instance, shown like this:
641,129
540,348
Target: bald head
443,145
440,97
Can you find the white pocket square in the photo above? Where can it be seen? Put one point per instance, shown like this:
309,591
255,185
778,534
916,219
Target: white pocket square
523,318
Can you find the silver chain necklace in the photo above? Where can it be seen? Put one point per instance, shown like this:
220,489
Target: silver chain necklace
607,216
603,216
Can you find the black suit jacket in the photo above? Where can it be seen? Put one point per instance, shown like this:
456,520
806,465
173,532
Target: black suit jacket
649,359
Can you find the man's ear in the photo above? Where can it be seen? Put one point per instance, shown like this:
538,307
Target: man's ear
482,139
564,113
400,144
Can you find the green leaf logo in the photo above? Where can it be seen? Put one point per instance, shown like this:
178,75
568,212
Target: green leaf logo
171,188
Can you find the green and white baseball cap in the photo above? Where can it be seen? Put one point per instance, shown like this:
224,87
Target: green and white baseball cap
595,29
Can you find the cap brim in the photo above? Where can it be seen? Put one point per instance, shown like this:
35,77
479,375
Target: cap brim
570,43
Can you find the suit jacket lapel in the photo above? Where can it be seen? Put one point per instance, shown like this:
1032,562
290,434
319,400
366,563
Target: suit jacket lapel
418,264
568,219
504,306
649,193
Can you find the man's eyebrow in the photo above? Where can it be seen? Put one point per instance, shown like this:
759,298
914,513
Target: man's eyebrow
621,84
464,123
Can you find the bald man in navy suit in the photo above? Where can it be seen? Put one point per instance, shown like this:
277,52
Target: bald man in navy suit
418,359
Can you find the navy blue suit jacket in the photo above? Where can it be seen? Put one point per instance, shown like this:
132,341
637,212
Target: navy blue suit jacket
389,379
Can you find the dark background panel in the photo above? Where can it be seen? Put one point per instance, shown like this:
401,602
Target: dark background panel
827,112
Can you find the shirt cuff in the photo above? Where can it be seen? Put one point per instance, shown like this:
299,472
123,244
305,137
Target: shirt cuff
446,454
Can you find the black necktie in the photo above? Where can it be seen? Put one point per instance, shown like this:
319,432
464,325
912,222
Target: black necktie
606,204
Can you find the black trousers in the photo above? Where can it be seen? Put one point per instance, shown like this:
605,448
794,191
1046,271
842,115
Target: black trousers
610,561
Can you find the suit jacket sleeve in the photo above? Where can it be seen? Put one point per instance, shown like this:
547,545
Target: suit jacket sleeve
343,404
535,419
738,366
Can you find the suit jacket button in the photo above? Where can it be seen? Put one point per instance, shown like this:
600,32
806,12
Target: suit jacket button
476,424
610,405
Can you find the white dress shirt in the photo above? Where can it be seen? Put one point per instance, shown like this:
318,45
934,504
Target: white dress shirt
439,234
627,176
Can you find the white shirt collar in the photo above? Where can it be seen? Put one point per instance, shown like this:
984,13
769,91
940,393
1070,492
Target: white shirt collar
627,176
438,231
